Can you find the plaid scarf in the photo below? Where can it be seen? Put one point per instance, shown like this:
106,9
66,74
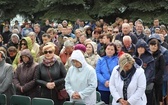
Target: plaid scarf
49,62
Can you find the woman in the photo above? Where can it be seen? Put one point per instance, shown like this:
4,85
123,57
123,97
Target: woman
50,75
91,55
6,75
154,46
25,43
142,52
81,81
24,78
128,82
119,46
104,69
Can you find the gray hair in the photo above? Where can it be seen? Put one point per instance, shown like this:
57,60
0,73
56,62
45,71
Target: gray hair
118,43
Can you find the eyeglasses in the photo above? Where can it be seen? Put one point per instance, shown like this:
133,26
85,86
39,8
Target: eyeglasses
23,44
115,31
46,52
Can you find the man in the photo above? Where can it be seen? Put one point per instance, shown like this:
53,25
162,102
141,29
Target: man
128,47
39,33
140,32
155,25
47,26
126,31
26,30
6,35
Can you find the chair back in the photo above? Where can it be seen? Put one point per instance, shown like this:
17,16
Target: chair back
73,103
42,101
3,99
98,96
20,100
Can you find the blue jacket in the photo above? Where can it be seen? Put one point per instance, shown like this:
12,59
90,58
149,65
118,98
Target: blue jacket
102,71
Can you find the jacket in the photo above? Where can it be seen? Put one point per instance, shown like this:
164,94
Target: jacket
82,80
136,89
25,76
102,71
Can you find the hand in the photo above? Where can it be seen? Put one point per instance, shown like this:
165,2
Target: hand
21,89
50,85
106,84
75,95
122,101
125,102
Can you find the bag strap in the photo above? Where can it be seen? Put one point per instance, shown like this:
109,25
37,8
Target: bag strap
108,67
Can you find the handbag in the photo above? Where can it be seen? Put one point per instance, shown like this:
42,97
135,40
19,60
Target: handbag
62,94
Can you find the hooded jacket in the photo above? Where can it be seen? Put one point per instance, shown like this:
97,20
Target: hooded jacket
82,80
93,58
17,58
136,88
147,59
25,76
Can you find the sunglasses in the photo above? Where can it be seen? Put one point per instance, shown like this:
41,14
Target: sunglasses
23,44
115,31
110,30
46,52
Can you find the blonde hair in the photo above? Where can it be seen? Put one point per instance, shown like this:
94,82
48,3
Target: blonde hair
47,46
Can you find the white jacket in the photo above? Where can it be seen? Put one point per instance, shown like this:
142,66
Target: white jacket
135,91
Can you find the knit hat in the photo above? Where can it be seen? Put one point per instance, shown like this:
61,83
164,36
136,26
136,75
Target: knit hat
15,35
3,54
124,59
80,47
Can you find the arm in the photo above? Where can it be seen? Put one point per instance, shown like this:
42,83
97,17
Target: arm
92,84
112,85
100,78
8,80
141,86
150,72
16,78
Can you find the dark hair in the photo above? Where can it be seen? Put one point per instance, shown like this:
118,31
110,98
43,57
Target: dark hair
46,35
154,42
108,36
112,44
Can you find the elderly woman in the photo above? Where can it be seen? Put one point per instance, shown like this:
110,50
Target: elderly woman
50,75
91,55
128,82
104,69
81,81
24,78
119,46
6,76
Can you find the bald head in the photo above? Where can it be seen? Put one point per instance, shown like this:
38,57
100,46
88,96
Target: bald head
127,41
126,28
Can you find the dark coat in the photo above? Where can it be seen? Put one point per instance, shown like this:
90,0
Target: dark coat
132,35
39,38
142,36
6,36
131,50
25,76
58,73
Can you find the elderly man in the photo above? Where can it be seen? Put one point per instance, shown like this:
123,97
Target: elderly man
128,47
126,31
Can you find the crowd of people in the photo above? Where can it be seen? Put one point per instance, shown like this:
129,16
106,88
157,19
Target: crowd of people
125,59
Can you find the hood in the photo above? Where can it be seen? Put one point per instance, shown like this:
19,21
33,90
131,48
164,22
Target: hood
94,45
29,42
141,43
26,52
78,55
154,36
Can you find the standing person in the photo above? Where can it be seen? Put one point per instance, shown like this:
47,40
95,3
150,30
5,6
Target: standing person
128,82
154,47
24,78
81,81
6,35
104,69
50,75
6,75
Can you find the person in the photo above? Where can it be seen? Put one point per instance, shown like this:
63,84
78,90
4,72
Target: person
104,68
50,75
128,82
24,77
91,55
81,81
6,76
142,51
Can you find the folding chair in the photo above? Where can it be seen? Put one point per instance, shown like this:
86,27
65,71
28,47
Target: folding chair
20,100
98,96
72,103
42,101
3,99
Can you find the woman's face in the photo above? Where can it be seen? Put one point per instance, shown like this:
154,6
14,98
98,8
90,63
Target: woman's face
141,50
89,49
12,53
110,50
23,45
49,53
119,48
128,66
25,59
153,48
76,63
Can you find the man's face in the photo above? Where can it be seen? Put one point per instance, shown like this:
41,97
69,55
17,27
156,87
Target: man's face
45,40
139,28
36,29
125,29
156,22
